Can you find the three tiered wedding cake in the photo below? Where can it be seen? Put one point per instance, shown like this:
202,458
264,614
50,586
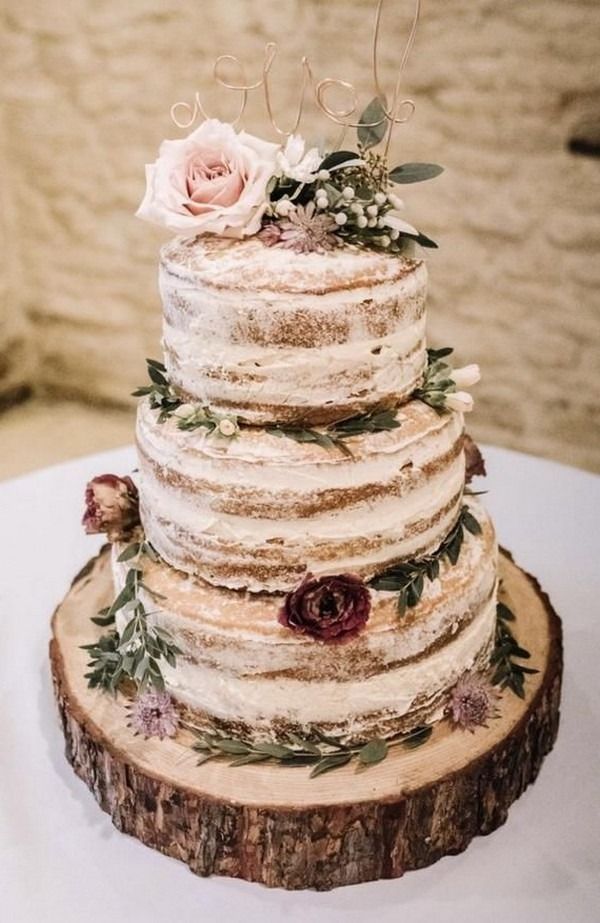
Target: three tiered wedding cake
258,522
300,580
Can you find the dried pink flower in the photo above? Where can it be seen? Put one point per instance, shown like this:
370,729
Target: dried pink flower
111,506
472,702
153,714
475,464
270,234
329,608
307,231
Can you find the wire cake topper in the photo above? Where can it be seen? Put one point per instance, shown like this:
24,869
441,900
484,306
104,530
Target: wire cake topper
397,112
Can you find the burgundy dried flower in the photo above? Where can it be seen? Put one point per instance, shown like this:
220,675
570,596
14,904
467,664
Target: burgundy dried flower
270,234
475,463
111,506
472,702
153,714
329,608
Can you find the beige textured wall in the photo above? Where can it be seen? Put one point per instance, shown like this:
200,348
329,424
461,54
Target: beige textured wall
86,89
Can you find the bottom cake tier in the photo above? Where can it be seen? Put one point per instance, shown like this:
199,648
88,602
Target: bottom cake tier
243,673
276,824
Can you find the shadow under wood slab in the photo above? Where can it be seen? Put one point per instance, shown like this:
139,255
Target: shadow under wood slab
272,824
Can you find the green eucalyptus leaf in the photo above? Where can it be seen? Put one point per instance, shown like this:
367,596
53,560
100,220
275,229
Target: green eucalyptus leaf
278,751
373,752
415,172
130,552
372,124
504,613
329,762
417,737
248,758
233,747
470,523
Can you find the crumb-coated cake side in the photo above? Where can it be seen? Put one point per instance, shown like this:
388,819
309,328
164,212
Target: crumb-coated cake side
259,511
242,671
273,335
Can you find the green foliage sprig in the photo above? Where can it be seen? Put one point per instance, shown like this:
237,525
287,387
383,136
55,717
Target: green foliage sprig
408,578
321,752
163,397
507,673
137,651
438,382
334,435
159,391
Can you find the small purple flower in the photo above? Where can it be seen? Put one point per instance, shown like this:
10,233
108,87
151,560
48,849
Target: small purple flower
111,506
270,234
307,231
329,608
472,702
153,714
475,464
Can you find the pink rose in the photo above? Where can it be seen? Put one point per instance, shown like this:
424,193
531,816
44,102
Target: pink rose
329,608
214,181
111,506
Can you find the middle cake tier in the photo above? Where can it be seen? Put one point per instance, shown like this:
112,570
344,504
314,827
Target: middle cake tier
259,511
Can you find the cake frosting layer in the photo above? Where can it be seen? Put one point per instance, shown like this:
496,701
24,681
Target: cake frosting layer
273,335
260,511
241,671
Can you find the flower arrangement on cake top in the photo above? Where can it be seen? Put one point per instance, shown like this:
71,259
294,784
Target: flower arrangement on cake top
233,184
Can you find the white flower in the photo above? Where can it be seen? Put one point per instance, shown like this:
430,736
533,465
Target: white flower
467,376
283,207
184,410
395,200
461,401
227,427
293,162
214,181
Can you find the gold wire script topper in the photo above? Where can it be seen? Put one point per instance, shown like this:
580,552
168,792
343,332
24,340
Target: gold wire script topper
397,112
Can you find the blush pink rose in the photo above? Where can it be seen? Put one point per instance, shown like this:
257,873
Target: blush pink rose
214,182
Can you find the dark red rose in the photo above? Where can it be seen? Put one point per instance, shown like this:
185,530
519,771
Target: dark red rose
111,506
475,463
329,608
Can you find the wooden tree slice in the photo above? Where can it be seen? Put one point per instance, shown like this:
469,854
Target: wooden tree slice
274,825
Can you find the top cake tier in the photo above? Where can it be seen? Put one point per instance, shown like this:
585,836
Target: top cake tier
271,335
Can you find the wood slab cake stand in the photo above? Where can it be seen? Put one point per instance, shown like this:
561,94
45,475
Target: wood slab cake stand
271,824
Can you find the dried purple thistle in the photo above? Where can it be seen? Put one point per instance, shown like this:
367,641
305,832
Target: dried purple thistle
306,231
472,702
153,714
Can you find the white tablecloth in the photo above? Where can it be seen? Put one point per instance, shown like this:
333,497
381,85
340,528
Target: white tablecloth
61,861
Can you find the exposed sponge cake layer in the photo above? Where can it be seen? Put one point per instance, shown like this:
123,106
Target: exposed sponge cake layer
260,511
273,335
241,671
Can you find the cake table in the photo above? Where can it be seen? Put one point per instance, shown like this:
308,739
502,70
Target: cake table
543,861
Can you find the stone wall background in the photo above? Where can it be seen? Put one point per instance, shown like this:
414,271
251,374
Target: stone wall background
86,90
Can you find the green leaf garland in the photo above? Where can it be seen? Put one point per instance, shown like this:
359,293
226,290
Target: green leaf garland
334,435
408,578
320,751
507,672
